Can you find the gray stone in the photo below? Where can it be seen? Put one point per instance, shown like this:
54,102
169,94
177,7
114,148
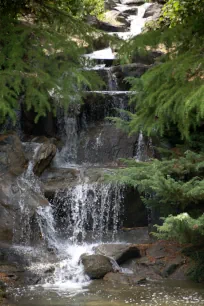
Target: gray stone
104,26
127,9
116,17
121,278
172,266
55,179
12,191
96,266
43,158
119,252
41,154
112,144
110,4
12,157
153,10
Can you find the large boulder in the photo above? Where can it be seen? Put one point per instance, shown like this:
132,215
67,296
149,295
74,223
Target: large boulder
96,266
12,157
119,252
160,260
154,10
40,154
117,18
43,158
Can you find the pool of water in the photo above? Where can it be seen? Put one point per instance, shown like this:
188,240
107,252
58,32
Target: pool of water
101,293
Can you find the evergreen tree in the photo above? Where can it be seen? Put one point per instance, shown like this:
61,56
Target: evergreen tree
41,43
171,93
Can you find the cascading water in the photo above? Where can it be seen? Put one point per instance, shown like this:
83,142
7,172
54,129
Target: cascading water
68,154
141,148
89,211
144,149
27,183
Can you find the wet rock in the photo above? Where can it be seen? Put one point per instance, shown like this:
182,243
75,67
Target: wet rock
119,252
59,179
104,144
12,157
110,4
117,17
172,266
159,260
43,158
104,26
181,272
126,10
153,11
16,191
161,250
120,278
96,266
40,153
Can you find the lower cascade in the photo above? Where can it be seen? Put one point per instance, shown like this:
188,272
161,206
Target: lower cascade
76,221
85,208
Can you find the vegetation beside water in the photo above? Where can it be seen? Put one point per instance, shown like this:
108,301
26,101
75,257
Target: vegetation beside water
170,103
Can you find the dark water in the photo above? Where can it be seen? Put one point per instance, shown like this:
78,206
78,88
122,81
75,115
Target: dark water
100,293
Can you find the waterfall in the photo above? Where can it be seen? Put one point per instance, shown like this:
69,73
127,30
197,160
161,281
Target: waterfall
141,153
47,226
112,81
89,211
68,154
144,149
27,185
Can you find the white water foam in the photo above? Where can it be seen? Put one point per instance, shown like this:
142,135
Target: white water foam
69,271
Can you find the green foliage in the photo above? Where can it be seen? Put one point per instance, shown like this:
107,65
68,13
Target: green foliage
174,185
171,93
179,11
40,8
182,228
41,43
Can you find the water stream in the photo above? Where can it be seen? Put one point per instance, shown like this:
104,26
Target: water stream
85,214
